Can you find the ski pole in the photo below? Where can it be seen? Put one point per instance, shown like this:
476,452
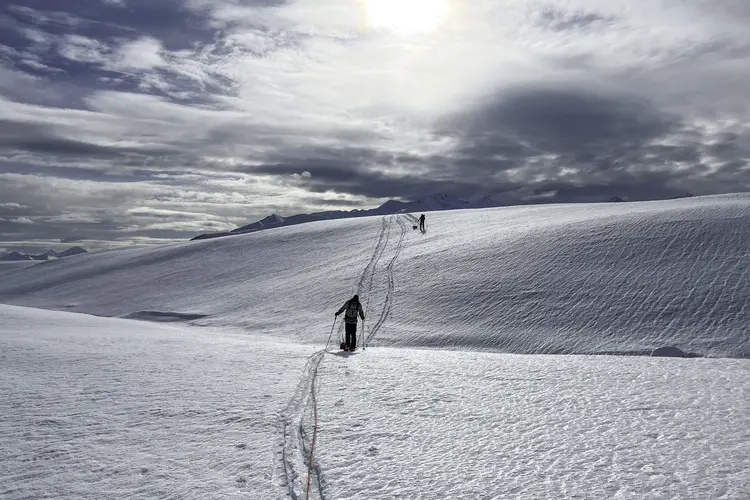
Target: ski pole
364,336
331,334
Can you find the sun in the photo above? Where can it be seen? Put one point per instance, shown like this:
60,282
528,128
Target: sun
406,16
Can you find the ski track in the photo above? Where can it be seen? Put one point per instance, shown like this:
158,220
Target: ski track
391,285
292,428
369,273
297,458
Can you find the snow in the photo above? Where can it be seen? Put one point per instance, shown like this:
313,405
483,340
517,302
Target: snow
216,393
427,424
111,408
625,278
10,264
107,408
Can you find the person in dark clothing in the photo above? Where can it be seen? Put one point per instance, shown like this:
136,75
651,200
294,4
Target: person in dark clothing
351,309
421,222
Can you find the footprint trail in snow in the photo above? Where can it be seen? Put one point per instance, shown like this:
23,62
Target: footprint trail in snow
301,473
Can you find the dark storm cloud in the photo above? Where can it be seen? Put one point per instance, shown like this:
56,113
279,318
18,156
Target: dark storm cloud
103,173
37,139
356,171
561,121
571,144
13,210
588,130
568,137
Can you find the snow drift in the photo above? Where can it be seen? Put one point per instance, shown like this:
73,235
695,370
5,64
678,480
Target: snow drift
617,278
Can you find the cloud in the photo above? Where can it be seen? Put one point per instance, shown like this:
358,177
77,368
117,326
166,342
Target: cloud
142,121
568,120
82,49
11,206
141,54
71,239
557,19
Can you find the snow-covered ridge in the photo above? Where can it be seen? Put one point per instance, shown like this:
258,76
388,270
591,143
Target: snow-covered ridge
431,203
618,278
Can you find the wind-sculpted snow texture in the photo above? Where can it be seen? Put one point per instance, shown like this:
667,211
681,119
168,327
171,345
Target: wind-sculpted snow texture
430,424
624,278
586,279
97,408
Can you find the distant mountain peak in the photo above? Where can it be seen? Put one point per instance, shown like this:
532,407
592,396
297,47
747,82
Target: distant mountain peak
15,256
72,251
272,219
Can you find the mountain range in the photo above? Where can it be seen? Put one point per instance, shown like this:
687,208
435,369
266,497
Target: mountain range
48,255
430,203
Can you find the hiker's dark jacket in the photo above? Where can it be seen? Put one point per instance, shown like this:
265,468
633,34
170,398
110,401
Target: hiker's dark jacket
352,308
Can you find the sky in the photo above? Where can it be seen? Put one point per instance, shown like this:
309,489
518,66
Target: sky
130,121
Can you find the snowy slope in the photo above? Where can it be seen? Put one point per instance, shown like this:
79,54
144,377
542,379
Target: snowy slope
583,278
108,408
96,408
6,265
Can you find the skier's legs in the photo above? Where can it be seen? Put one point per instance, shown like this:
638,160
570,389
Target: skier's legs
351,335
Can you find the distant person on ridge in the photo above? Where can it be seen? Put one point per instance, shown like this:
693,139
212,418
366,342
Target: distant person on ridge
421,223
352,308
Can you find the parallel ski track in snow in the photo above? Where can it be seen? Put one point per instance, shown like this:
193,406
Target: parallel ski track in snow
292,422
297,441
369,273
391,283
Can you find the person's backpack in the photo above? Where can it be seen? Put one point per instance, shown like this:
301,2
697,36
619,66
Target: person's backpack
352,310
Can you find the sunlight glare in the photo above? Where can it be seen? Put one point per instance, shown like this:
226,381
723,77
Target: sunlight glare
406,16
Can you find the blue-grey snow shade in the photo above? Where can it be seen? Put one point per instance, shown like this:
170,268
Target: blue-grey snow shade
128,121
